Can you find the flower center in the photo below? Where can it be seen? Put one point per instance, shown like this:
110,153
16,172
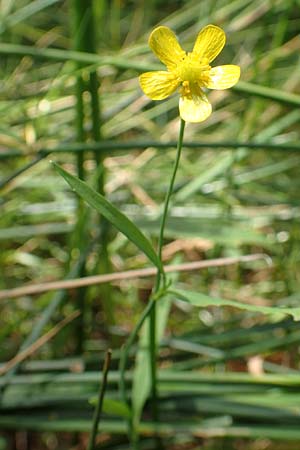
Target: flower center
192,69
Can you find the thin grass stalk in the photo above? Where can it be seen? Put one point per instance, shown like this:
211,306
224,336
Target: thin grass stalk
123,364
98,409
4,182
167,428
79,147
115,23
126,275
93,86
79,44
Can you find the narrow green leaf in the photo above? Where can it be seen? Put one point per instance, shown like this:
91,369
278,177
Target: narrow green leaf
142,370
141,382
202,300
22,14
112,214
267,92
111,406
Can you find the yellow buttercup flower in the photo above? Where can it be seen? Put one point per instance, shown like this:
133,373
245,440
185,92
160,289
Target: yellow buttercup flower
191,71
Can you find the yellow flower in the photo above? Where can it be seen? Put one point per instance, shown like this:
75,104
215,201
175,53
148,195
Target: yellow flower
191,71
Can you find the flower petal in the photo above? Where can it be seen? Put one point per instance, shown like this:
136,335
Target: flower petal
164,44
209,43
223,77
194,108
158,85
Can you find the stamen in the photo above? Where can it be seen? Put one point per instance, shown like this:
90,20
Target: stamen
186,89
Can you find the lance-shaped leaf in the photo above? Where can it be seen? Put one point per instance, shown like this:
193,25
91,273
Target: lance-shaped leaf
112,214
203,300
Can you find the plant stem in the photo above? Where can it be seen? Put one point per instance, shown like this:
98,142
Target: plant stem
152,327
170,190
93,85
98,409
150,311
123,363
79,44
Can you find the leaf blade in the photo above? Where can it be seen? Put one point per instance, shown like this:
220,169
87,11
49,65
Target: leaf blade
112,214
203,300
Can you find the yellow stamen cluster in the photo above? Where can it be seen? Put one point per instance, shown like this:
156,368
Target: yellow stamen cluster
191,71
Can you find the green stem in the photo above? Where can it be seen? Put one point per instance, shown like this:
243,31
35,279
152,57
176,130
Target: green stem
93,86
98,409
123,363
79,44
150,310
152,327
153,357
169,193
127,346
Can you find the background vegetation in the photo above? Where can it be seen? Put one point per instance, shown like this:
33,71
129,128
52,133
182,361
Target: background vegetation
228,378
